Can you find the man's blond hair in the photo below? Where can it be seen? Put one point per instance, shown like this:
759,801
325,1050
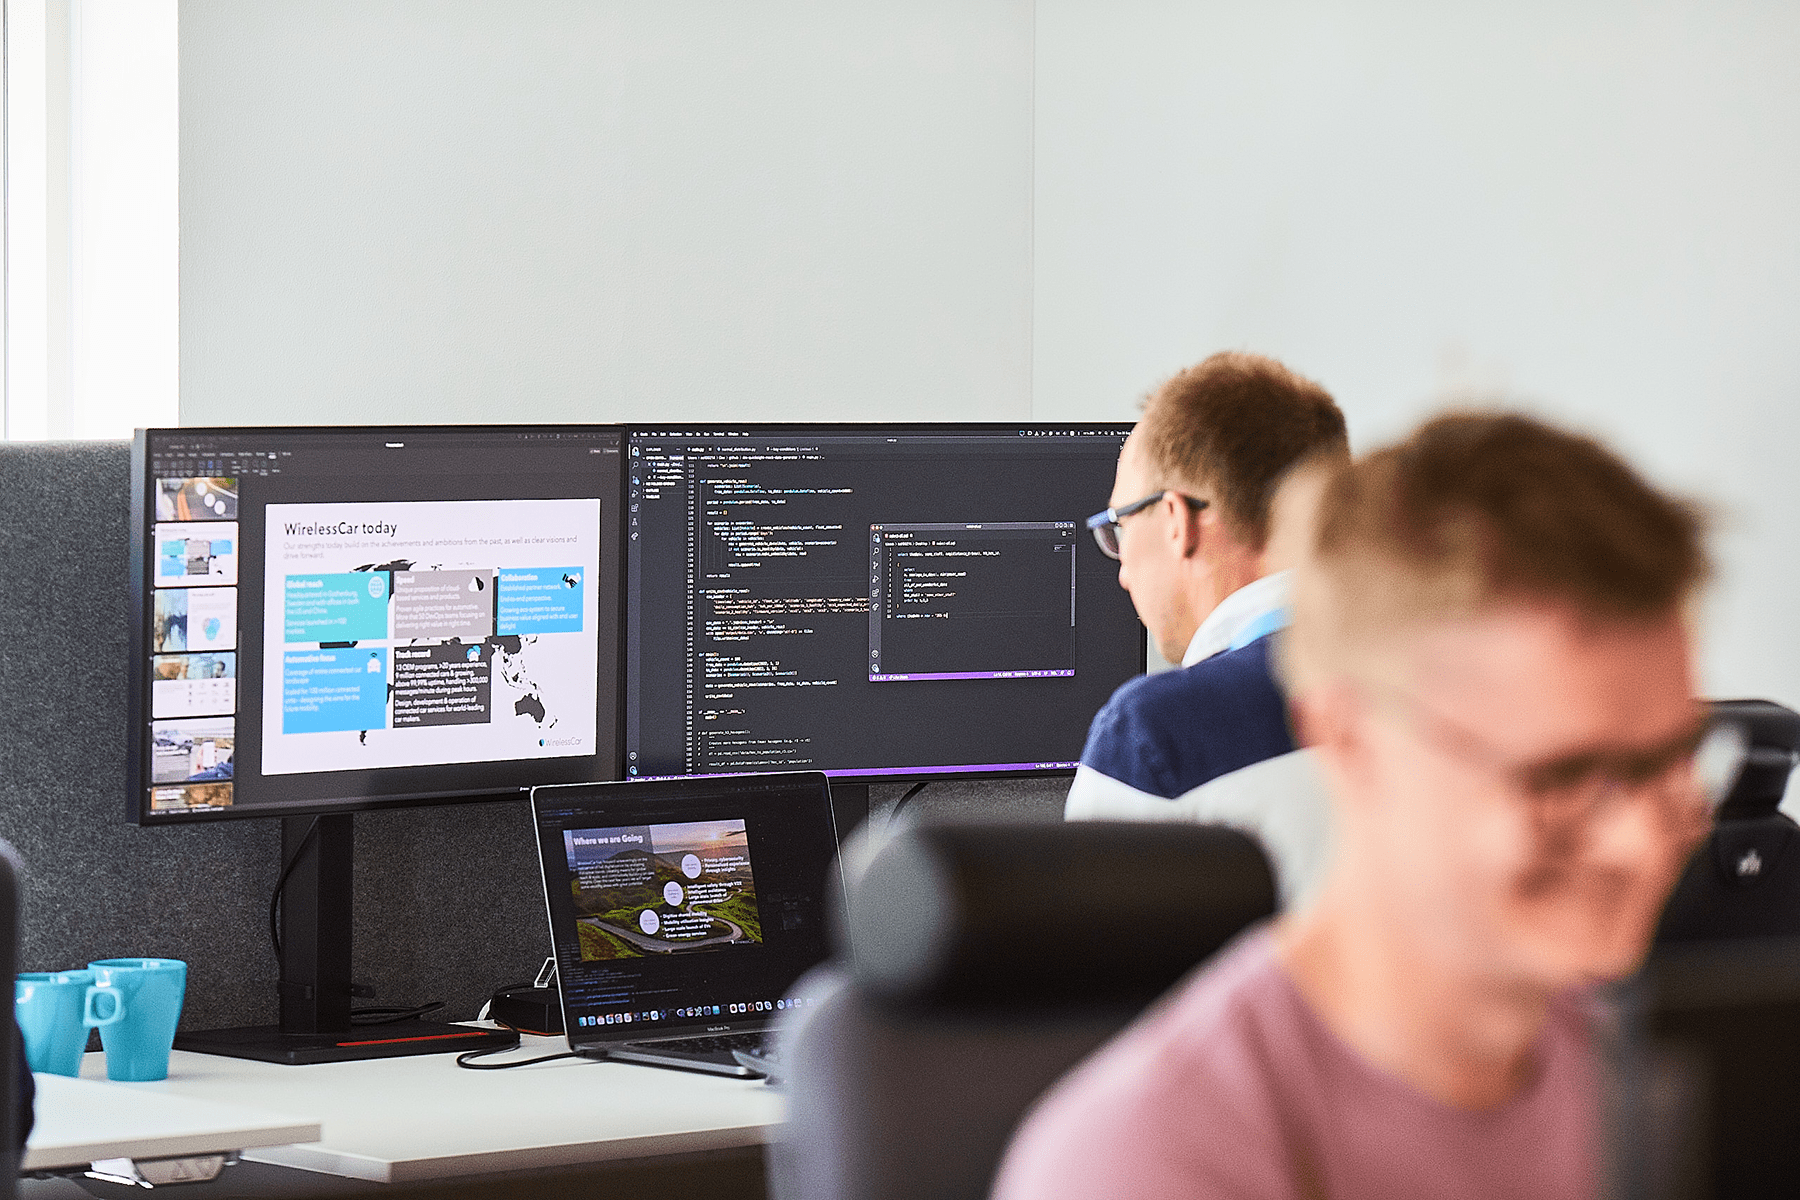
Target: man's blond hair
1227,430
1480,507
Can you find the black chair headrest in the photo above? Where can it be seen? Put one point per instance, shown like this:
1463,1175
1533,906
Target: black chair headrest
1044,916
1773,731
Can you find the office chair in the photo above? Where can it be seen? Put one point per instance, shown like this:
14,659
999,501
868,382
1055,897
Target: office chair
1705,1101
1744,881
979,964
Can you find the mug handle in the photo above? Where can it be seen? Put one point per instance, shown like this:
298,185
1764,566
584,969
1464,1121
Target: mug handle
93,1021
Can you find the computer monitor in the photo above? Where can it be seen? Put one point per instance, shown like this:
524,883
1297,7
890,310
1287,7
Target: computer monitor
330,620
335,619
880,603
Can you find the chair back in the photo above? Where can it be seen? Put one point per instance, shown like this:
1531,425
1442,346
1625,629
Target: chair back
978,964
1744,880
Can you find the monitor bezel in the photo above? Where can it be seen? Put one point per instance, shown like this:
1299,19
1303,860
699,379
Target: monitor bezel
874,776
140,590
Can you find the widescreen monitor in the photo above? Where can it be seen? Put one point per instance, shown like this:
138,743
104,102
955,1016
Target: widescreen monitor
333,619
882,602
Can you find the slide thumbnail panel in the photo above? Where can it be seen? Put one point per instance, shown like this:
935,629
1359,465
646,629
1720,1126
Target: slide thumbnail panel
194,619
193,685
190,796
192,751
208,498
197,555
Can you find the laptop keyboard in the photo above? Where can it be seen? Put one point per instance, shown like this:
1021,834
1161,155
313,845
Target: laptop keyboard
723,1043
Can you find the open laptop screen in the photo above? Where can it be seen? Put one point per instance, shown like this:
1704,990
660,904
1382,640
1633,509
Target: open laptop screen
684,905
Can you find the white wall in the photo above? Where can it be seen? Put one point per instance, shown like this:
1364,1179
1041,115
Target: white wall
1589,207
561,210
419,210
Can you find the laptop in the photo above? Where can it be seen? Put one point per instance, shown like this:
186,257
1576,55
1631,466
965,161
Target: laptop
683,911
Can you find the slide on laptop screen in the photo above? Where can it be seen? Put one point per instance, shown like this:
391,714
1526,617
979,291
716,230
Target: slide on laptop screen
682,911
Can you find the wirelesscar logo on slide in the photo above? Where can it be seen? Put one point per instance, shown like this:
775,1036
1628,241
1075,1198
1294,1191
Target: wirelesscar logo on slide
570,741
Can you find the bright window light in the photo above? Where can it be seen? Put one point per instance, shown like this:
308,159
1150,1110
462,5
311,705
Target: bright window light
92,218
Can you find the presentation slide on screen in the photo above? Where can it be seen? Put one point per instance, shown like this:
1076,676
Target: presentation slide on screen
404,634
647,890
194,619
193,685
208,498
197,554
192,751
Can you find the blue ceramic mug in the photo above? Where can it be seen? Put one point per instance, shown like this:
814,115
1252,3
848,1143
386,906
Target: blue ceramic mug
138,1044
55,1010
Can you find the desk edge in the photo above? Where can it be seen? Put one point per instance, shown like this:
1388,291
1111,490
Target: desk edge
80,1154
321,1159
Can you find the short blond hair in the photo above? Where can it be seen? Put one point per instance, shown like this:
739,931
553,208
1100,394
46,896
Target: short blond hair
1230,427
1475,508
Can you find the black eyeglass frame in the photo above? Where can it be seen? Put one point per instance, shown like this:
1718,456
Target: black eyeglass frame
1105,525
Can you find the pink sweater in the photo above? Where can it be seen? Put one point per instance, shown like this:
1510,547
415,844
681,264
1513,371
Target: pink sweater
1232,1087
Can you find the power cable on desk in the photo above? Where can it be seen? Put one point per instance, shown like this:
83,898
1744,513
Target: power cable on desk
467,1058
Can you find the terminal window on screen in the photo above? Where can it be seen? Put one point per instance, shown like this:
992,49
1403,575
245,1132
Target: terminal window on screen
866,604
955,601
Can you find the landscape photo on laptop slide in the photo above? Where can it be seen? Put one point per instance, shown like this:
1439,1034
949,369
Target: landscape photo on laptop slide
645,890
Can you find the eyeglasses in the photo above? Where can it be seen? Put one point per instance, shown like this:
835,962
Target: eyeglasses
1106,524
1694,770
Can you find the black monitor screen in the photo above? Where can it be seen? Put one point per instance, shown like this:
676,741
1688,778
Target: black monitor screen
673,904
331,619
871,602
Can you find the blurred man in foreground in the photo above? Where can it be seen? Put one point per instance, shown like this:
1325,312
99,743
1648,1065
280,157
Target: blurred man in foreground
1491,657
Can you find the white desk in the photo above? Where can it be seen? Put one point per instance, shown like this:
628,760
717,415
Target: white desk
80,1121
395,1120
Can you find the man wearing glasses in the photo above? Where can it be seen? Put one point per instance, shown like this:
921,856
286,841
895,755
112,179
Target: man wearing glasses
1491,658
1189,524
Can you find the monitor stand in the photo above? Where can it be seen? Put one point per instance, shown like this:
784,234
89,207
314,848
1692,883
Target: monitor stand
315,971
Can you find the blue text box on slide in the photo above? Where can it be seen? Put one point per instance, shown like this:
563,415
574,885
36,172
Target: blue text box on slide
347,607
329,691
539,600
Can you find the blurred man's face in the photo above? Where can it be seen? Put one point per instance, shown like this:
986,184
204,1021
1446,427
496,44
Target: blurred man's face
1150,556
1494,846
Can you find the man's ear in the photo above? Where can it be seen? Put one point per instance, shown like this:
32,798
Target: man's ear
1186,524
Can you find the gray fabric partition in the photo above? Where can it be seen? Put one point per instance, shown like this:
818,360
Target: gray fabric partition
447,899
448,904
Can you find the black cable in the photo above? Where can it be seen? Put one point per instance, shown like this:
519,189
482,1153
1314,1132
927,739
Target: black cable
467,1058
912,791
369,1016
281,884
379,1015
